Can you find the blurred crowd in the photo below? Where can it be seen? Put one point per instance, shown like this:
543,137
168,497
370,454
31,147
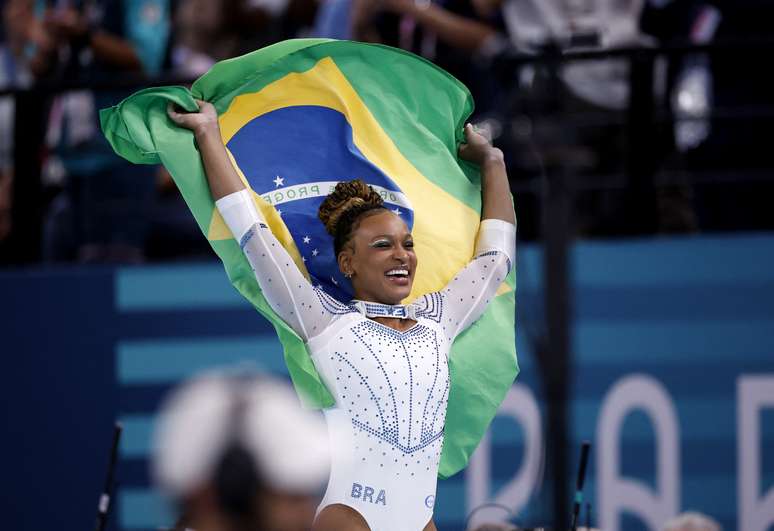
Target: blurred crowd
577,117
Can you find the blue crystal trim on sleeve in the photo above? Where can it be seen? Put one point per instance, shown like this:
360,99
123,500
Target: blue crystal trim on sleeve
247,237
331,304
494,253
430,307
250,233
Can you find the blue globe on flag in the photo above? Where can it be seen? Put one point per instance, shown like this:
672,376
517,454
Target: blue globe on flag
293,157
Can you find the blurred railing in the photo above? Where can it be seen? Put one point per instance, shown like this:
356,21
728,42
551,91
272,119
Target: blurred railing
639,122
25,241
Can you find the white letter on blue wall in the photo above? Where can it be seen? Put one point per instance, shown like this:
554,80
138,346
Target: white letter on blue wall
519,405
754,393
616,494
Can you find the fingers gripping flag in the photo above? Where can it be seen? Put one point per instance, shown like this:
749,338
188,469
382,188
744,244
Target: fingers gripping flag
298,117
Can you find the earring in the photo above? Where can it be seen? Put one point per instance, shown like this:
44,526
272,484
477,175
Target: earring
348,275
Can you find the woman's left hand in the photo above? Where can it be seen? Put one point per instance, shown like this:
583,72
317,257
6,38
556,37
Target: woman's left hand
202,123
477,148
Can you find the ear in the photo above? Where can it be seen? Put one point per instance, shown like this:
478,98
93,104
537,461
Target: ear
345,260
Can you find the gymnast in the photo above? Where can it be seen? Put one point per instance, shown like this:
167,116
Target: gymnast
386,363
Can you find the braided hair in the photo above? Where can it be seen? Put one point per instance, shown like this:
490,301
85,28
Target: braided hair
344,207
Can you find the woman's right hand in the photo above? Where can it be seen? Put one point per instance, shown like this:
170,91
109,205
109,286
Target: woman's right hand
202,123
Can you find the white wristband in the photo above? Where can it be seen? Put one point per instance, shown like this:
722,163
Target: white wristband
497,235
239,212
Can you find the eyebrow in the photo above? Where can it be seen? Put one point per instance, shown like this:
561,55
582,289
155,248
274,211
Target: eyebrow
389,236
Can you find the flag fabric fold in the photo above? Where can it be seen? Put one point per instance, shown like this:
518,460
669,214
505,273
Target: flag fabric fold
298,117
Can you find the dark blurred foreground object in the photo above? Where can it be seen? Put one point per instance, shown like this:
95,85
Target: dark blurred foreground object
106,498
237,453
576,506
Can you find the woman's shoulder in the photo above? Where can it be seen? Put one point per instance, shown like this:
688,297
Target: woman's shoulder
331,304
428,306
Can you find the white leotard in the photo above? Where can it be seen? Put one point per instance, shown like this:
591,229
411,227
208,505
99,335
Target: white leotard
390,387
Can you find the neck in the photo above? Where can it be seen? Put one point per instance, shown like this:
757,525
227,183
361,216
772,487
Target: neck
396,324
374,301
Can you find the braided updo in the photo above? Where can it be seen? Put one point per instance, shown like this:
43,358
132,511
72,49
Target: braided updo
342,208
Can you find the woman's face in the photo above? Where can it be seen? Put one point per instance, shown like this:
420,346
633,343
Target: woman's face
380,256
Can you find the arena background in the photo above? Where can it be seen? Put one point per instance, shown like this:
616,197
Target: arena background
639,153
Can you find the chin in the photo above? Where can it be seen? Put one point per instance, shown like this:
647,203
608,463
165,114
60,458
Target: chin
396,295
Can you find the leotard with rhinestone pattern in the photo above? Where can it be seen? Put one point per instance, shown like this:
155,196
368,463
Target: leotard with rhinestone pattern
391,387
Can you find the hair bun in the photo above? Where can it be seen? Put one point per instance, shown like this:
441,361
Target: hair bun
347,196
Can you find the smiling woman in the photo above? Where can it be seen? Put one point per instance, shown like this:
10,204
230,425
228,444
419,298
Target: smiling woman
373,246
385,363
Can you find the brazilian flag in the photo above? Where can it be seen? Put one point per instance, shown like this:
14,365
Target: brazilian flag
298,117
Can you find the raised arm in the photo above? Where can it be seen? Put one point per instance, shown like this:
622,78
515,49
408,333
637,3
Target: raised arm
305,309
465,298
221,175
495,190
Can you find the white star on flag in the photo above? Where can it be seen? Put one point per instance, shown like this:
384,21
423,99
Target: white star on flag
279,212
307,239
303,258
279,181
397,211
315,252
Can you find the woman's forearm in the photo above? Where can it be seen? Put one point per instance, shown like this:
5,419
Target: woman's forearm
114,51
496,192
221,175
453,29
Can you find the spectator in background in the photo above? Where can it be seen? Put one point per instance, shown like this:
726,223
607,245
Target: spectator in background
100,214
205,34
690,89
333,19
208,31
539,24
734,141
239,454
212,30
454,34
571,116
16,30
691,521
6,140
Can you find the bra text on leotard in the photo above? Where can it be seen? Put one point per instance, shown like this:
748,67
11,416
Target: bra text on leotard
366,493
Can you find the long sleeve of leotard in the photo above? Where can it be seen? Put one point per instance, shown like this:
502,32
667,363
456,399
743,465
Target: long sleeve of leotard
465,298
286,290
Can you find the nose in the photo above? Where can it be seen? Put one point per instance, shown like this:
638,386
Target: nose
401,255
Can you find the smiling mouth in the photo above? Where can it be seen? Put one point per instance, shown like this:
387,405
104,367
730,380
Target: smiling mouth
398,272
398,275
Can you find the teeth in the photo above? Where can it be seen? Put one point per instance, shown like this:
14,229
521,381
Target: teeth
395,272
